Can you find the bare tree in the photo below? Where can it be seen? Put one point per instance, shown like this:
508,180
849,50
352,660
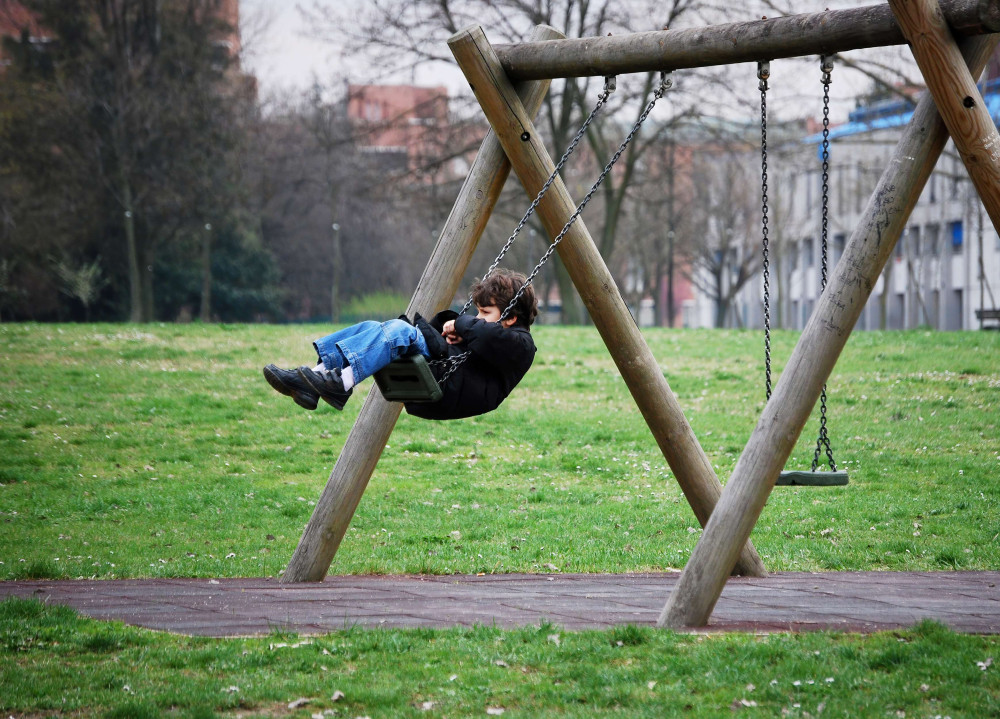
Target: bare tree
655,242
401,37
724,211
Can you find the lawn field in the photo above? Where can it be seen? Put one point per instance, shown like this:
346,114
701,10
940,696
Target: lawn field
132,451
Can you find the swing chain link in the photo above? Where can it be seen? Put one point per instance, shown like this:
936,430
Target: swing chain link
453,363
610,85
666,82
826,67
763,73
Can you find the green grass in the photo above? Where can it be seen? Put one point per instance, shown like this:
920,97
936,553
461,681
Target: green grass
375,306
532,672
159,451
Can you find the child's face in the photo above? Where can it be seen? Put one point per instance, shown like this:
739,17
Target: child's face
491,313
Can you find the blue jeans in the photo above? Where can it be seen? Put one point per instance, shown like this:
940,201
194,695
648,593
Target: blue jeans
369,346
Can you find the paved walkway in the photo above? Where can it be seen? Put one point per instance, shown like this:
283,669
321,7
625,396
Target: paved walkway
848,601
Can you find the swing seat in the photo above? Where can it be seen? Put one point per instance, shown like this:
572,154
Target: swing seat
408,379
812,479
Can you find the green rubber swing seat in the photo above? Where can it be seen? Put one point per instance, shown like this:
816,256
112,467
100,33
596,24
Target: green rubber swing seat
408,379
810,478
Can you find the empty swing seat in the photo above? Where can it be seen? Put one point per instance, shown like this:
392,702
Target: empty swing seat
810,478
408,379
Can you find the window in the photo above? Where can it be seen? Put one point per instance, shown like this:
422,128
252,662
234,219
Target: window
373,111
794,256
838,246
933,240
955,311
809,250
955,233
914,241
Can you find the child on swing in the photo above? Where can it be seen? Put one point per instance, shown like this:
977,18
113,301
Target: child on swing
500,353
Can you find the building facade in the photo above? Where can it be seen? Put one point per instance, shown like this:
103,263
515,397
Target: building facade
945,267
405,125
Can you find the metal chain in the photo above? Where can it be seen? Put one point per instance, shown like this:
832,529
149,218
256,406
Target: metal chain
826,67
610,84
763,73
666,82
453,363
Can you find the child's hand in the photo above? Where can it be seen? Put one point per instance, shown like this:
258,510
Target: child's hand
449,334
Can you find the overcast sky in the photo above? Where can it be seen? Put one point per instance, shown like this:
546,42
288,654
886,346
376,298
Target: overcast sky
285,58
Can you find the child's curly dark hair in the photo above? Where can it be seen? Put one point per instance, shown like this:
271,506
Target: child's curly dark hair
499,288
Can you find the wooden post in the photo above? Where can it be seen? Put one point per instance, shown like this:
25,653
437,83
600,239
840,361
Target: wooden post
958,100
823,33
700,584
592,278
438,285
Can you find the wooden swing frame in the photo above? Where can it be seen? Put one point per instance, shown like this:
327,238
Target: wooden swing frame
728,516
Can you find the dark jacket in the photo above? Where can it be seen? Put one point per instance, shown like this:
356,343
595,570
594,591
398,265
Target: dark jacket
500,357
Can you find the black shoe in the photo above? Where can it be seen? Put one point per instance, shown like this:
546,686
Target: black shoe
288,383
328,385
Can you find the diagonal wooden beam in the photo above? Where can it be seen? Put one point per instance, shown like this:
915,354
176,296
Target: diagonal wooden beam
611,316
440,281
691,602
958,100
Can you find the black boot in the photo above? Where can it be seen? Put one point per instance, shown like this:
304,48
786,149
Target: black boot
328,385
289,383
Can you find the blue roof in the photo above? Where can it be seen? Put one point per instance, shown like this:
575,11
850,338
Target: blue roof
896,113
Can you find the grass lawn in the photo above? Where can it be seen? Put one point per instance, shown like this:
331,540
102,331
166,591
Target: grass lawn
159,451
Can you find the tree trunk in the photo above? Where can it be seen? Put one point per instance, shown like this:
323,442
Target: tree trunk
132,250
146,275
671,232
916,289
777,296
560,126
721,306
206,275
671,308
657,291
572,310
335,281
883,300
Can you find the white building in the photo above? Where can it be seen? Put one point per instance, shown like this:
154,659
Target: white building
945,267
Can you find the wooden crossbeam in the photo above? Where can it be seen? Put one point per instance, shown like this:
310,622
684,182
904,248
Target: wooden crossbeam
590,275
823,33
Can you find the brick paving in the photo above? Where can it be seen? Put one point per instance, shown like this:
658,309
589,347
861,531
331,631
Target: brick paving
848,601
